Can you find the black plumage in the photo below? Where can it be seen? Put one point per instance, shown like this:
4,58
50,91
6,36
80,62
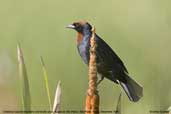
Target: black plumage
109,65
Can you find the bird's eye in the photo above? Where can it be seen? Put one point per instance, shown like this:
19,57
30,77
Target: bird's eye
76,25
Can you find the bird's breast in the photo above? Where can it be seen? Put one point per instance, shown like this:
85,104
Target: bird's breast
79,38
83,49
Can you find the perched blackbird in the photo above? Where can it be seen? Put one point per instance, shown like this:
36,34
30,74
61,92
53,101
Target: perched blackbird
109,65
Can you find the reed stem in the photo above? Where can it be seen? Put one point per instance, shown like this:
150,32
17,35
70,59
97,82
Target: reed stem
92,98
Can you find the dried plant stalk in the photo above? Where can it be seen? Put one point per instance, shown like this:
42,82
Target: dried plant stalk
26,98
92,98
57,100
118,107
169,109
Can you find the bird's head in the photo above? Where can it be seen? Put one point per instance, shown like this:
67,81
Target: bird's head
81,27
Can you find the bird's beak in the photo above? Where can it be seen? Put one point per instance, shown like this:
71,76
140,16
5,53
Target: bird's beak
71,26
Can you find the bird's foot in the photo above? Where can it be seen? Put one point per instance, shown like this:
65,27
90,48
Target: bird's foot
99,81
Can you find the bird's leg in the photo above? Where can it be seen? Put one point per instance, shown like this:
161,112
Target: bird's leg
101,79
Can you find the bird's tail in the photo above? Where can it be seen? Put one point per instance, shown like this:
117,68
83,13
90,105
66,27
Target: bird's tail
133,90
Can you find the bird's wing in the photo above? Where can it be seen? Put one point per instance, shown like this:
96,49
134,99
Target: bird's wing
108,55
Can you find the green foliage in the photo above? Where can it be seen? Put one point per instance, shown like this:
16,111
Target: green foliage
46,83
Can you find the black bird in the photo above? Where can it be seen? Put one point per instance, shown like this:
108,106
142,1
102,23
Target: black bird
109,65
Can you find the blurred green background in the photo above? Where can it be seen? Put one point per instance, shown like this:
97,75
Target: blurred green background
138,30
